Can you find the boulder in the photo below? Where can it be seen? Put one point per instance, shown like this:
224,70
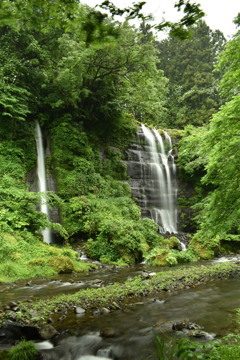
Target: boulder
10,332
48,332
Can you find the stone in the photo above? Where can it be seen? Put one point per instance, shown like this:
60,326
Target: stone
48,332
106,310
12,304
11,331
109,332
145,275
179,326
33,313
115,306
78,310
63,317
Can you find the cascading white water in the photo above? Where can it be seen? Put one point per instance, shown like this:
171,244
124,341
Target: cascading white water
42,179
163,177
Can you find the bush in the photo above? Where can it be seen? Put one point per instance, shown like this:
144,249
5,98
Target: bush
24,350
62,264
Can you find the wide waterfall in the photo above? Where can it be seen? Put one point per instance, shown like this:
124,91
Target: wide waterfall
42,179
153,178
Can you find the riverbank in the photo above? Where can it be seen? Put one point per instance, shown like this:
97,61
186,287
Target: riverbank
114,296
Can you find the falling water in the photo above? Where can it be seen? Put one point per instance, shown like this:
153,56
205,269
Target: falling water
163,174
42,180
153,174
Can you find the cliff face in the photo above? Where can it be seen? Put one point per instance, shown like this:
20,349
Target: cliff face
144,188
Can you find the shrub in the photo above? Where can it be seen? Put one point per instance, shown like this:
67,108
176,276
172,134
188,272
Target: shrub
62,264
24,350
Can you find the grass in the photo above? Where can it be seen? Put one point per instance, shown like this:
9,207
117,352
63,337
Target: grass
106,296
24,350
26,257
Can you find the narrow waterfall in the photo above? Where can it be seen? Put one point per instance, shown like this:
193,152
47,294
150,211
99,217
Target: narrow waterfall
153,178
42,180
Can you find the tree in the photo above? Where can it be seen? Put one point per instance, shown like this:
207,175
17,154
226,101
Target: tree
189,64
219,215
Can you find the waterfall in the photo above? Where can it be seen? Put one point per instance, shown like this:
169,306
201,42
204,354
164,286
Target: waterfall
42,179
153,174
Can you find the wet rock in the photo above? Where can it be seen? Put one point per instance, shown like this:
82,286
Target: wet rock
78,310
96,281
48,332
157,301
106,310
63,317
145,275
152,274
33,313
163,327
12,305
115,306
109,332
50,321
200,334
97,312
11,331
179,326
105,353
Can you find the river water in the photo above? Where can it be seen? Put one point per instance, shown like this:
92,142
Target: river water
129,332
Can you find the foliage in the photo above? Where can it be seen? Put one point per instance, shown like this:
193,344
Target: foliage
218,212
97,206
192,13
123,238
24,350
193,87
23,256
62,264
225,349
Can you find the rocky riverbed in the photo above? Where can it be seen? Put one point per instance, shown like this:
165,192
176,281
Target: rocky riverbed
81,314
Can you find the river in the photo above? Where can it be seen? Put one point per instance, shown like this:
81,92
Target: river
129,332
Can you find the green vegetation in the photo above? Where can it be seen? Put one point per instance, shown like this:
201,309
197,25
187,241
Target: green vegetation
80,81
193,86
137,286
25,256
209,157
90,80
224,349
24,350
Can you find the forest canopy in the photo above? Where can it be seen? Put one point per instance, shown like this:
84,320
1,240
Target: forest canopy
90,80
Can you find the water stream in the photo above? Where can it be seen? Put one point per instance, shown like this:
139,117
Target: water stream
128,333
211,306
42,179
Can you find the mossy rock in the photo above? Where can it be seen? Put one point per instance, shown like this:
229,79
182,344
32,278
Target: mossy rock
62,264
173,243
160,258
204,253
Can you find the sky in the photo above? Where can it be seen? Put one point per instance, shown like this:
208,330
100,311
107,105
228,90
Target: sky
219,13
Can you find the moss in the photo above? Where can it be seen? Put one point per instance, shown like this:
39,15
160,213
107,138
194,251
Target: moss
62,264
173,243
